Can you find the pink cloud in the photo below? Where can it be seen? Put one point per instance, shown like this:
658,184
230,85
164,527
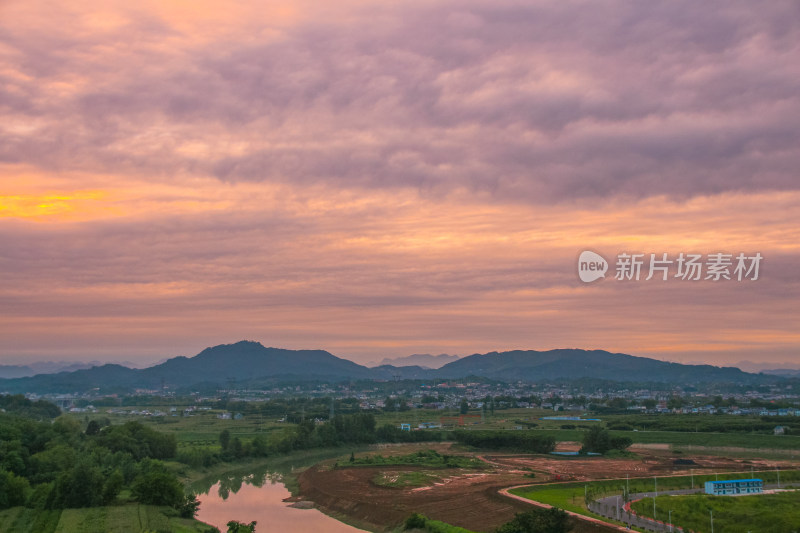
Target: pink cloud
393,177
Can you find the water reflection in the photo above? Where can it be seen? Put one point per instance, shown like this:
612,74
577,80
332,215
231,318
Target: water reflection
248,495
232,482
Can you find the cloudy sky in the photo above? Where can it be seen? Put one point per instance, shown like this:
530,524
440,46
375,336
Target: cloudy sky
385,178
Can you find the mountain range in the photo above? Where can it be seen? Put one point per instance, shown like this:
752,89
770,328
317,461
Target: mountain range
248,362
425,360
44,367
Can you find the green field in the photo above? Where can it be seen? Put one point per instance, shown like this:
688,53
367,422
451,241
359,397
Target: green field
202,429
132,518
570,496
765,513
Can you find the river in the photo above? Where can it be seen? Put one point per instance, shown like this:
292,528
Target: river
259,494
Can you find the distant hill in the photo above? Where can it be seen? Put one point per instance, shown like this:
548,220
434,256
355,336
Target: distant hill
109,378
221,364
44,367
247,360
531,365
784,372
424,360
250,362
389,372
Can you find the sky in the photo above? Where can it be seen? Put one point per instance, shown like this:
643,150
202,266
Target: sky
385,178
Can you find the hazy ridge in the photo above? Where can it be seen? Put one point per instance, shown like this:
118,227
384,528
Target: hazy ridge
248,362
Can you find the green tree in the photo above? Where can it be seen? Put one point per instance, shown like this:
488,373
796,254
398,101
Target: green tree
464,408
389,404
189,507
225,439
415,521
234,526
621,443
112,486
551,520
13,490
81,486
596,440
158,487
93,427
618,403
138,440
236,448
675,402
259,447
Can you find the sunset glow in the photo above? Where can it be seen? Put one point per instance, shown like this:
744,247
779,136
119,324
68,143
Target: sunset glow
380,179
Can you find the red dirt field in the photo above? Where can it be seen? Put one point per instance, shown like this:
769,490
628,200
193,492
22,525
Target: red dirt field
469,498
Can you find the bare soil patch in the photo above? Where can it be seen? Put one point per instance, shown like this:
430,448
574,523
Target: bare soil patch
469,498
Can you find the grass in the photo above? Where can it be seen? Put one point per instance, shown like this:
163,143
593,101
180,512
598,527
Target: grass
131,518
767,513
435,526
423,458
202,429
567,496
419,522
22,520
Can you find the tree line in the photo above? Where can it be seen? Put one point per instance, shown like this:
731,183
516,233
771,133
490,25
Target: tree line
341,430
520,441
55,464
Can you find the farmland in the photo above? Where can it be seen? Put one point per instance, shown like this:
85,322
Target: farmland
202,428
122,519
765,513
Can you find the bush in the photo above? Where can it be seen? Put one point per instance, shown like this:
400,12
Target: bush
234,526
198,457
551,520
620,427
189,507
81,486
13,490
158,488
112,486
138,440
599,440
415,521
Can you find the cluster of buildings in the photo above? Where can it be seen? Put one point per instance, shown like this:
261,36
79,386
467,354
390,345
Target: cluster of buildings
449,394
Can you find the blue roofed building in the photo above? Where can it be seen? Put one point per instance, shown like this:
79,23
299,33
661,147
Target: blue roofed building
735,486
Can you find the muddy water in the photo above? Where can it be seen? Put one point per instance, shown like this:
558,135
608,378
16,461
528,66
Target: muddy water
259,496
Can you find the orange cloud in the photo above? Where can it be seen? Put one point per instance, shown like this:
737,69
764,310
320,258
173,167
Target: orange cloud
73,205
399,176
